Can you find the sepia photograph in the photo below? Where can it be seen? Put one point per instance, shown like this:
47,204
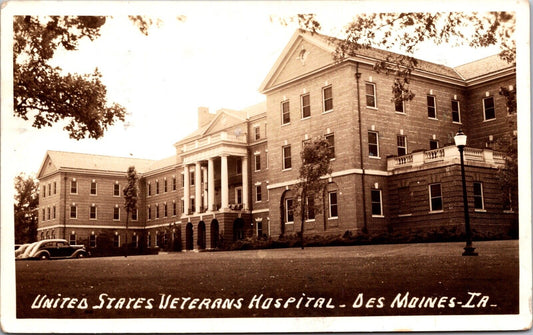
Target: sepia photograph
265,167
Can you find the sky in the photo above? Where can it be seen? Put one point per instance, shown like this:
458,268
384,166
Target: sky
217,57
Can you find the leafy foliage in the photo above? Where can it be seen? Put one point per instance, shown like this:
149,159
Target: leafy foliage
42,91
26,204
131,191
315,157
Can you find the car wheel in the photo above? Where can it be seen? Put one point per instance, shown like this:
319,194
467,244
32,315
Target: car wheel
81,255
44,257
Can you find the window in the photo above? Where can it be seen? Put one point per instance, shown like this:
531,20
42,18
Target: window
285,113
257,159
48,215
93,188
173,183
149,240
257,132
116,214
157,187
330,138
165,210
157,211
370,91
191,178
488,108
286,157
258,193
310,207
238,166
116,190
456,115
149,210
327,96
54,212
149,189
49,189
373,144
92,241
135,241
377,209
432,109
193,208
402,145
182,180
478,196
44,191
433,144
135,214
73,187
435,197
305,102
44,214
174,208
399,106
55,187
289,211
72,239
165,187
238,195
116,241
92,212
259,225
73,212
333,210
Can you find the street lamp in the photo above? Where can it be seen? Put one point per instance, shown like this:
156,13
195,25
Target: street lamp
460,142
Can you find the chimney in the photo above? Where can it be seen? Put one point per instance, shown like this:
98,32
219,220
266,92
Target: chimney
204,117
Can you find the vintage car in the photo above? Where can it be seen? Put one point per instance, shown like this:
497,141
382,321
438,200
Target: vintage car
54,248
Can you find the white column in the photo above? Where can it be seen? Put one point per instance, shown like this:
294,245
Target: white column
204,187
210,184
224,181
245,182
197,188
186,195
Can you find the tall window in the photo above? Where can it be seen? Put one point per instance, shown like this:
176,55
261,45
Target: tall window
165,210
149,210
73,212
402,145
149,189
135,241
399,106
327,97
238,166
44,214
157,187
135,214
370,92
173,183
286,157
488,108
48,213
174,208
49,189
257,159
310,207
435,196
192,202
92,212
55,187
93,188
305,101
456,114
258,195
433,144
73,187
373,144
191,178
72,239
54,212
432,107
285,112
116,213
44,191
116,190
289,211
157,211
257,132
333,209
116,241
165,186
330,138
377,208
478,196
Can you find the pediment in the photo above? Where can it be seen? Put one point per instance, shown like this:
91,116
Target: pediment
223,121
304,54
47,167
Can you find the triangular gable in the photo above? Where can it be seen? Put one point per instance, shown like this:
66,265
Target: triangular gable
47,167
303,54
222,121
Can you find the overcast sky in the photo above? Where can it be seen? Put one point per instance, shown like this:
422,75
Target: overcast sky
216,58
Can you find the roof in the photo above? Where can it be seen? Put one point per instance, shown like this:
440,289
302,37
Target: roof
482,67
163,163
62,159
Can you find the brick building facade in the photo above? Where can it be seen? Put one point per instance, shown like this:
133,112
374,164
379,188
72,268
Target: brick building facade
395,166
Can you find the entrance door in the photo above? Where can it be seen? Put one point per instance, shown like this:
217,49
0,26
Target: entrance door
214,234
201,235
189,237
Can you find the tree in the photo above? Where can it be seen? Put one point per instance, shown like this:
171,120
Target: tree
406,31
315,157
130,198
26,204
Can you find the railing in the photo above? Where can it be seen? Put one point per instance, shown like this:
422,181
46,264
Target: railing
446,154
213,139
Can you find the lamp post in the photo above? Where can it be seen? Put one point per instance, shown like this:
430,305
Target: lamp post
460,142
